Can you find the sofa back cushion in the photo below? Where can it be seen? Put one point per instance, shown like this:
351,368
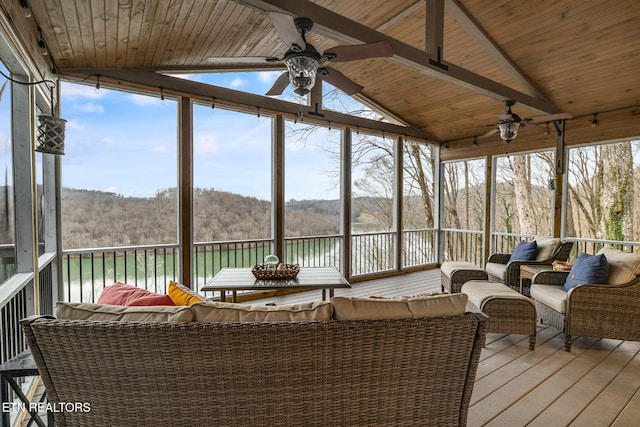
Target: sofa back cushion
623,266
587,269
546,247
122,294
231,312
524,251
87,311
354,308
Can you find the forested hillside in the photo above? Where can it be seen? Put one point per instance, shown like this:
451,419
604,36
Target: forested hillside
100,219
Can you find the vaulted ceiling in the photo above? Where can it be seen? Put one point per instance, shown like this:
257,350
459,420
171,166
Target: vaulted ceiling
576,56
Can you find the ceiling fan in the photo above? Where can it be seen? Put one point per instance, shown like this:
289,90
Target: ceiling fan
509,123
304,63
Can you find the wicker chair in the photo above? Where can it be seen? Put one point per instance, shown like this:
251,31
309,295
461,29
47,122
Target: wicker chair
500,269
605,311
332,373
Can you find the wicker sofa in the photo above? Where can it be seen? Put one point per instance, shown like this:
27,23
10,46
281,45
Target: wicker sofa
386,372
501,268
609,310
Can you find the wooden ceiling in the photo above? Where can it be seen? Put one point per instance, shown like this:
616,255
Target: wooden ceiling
575,56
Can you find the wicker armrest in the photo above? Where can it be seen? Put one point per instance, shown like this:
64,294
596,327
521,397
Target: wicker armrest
550,278
499,258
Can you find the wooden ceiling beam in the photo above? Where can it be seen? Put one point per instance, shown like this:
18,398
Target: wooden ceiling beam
434,29
152,82
471,27
344,30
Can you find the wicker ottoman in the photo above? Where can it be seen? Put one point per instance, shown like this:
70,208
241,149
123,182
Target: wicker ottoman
509,311
454,274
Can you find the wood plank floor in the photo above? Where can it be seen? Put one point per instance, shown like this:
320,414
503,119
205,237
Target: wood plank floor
597,384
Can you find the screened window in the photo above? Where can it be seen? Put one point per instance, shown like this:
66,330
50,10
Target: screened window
7,230
463,210
603,197
313,194
524,196
372,204
232,175
120,169
418,203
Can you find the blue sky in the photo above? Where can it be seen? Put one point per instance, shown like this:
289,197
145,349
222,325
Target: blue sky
126,143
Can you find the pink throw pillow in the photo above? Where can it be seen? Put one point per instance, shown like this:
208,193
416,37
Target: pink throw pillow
123,294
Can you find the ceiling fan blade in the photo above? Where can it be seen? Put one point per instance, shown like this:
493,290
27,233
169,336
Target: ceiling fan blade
488,134
548,118
241,59
279,85
359,51
286,28
535,128
340,81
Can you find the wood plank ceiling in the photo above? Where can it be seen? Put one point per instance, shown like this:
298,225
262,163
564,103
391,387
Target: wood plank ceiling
581,55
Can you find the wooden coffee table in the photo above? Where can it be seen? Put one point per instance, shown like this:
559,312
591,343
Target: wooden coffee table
528,271
235,279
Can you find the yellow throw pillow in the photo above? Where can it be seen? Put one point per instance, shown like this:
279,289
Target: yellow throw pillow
181,295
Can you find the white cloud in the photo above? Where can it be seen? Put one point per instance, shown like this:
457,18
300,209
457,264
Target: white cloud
268,76
205,143
107,140
89,107
162,148
71,90
74,124
144,101
297,145
237,82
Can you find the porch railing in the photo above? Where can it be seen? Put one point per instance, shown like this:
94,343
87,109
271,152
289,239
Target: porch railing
592,246
419,247
462,245
505,243
87,271
372,252
314,251
17,302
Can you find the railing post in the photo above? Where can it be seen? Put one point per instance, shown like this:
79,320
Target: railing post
278,204
185,190
345,168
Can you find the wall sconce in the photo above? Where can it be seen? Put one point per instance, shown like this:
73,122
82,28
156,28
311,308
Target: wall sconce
50,139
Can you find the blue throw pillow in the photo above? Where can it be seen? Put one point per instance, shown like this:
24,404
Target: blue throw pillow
525,251
587,269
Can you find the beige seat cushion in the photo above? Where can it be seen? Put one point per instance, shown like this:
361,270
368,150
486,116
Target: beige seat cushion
479,291
353,308
546,247
623,266
496,269
231,312
450,266
550,295
87,311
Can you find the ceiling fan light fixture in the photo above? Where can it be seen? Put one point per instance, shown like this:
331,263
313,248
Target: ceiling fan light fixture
302,67
508,130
